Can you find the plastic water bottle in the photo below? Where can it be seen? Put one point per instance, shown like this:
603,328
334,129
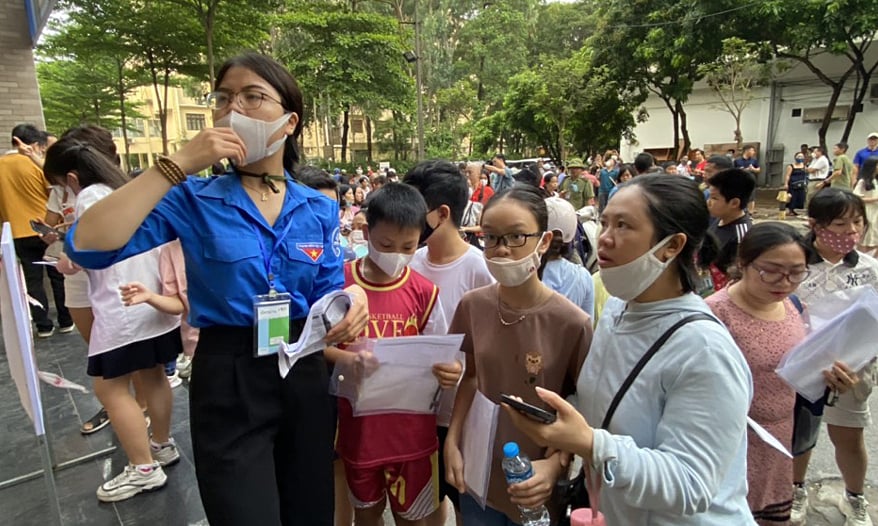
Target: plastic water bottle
517,468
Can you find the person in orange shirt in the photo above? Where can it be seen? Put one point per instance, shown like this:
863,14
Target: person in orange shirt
24,193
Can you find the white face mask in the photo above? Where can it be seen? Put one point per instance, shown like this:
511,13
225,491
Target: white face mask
356,237
391,263
255,134
628,281
514,272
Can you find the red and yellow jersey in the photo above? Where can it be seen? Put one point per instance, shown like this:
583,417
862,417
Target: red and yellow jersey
397,309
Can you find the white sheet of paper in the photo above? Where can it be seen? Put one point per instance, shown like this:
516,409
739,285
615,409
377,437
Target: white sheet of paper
849,337
767,437
479,431
405,365
333,306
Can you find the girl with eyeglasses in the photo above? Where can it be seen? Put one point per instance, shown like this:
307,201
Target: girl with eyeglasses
765,323
518,335
837,219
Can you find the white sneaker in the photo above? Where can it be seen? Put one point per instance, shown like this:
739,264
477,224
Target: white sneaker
131,482
184,366
174,380
800,505
854,509
165,454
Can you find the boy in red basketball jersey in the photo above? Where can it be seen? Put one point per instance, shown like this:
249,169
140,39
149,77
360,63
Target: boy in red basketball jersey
393,455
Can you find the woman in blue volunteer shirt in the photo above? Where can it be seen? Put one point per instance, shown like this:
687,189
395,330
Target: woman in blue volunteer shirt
263,444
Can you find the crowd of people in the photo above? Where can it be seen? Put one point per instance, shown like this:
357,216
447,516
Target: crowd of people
651,383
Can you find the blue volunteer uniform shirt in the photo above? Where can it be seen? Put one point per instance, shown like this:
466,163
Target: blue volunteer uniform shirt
226,243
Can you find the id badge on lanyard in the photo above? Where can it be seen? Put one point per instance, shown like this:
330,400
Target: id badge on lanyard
271,315
271,312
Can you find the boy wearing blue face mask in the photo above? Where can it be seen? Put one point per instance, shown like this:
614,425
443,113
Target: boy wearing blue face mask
393,456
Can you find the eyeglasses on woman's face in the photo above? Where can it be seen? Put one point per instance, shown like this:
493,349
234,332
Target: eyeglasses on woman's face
774,276
248,99
512,240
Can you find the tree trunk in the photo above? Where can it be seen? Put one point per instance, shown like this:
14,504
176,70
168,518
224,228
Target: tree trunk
684,127
864,80
344,133
675,119
368,139
163,113
208,30
827,116
120,71
739,135
394,137
155,85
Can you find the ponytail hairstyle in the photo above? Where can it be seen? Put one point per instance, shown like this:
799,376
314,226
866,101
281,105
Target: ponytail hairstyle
98,138
90,166
281,80
868,172
677,206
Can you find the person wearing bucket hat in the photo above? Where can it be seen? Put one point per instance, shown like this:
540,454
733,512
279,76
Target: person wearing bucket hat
576,189
559,273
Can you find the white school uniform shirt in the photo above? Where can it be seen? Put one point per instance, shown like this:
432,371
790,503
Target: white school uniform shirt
116,325
454,279
822,166
854,270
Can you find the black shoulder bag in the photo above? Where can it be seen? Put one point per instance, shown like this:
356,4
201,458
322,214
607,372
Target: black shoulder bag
572,494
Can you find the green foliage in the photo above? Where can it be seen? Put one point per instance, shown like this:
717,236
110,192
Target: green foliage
355,58
802,30
79,92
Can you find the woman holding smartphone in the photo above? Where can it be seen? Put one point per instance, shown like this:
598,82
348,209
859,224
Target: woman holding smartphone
674,452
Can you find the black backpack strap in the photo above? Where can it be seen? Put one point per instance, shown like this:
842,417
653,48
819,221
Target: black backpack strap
645,359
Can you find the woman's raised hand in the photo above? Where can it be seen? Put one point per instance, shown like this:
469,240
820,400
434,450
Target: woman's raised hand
211,145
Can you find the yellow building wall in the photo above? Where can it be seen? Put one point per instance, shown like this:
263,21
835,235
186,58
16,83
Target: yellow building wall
186,117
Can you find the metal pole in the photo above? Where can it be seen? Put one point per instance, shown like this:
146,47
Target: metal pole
52,493
419,85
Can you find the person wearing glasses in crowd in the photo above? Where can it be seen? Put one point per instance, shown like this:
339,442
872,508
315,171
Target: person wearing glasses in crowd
837,218
765,323
263,445
518,334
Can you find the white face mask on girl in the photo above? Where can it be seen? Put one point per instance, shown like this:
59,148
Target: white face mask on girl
628,281
514,272
391,263
255,134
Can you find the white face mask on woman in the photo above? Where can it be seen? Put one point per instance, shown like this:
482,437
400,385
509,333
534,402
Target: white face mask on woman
391,263
628,281
255,134
514,272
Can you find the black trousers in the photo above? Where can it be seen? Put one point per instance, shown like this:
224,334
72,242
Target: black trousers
263,445
30,249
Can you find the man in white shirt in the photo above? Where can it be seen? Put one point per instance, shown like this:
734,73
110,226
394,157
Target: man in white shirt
818,170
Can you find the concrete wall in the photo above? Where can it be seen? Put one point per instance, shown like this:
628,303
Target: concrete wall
768,120
19,92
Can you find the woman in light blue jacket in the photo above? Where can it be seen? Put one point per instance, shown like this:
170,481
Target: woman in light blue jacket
675,450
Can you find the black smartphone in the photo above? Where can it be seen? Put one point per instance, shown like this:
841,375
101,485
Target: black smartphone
42,228
531,411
